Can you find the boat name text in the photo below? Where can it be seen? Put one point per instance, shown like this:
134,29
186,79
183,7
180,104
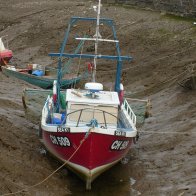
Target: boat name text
119,145
60,141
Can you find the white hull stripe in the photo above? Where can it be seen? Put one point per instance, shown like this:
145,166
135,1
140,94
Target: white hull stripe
53,128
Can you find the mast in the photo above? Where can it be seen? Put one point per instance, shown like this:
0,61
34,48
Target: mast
97,36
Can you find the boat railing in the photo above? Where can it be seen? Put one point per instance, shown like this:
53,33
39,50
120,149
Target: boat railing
46,109
129,113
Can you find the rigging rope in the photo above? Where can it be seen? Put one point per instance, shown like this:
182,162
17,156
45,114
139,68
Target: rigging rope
147,64
74,84
66,67
169,82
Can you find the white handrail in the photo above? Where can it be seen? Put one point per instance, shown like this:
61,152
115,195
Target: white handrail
98,39
129,112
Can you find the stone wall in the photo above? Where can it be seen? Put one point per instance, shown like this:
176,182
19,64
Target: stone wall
179,7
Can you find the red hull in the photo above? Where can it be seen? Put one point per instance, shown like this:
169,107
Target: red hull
97,150
5,56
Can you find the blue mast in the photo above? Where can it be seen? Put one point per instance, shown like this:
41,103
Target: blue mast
59,74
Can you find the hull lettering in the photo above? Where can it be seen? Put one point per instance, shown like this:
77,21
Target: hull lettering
119,145
120,133
60,141
63,129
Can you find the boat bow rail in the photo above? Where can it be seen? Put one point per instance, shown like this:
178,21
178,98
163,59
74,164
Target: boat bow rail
79,126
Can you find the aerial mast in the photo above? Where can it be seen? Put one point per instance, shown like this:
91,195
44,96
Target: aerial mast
96,36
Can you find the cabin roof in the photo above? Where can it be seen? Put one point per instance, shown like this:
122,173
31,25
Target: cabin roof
104,97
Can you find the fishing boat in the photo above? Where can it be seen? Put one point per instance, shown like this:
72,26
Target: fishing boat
5,54
42,76
89,129
39,78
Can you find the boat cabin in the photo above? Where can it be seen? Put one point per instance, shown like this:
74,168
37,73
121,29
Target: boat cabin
98,109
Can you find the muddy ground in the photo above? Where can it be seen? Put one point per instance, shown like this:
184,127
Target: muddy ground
163,161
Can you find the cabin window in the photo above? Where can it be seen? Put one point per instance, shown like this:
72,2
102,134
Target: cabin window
103,114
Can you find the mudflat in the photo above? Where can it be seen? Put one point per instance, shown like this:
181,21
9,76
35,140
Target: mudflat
163,48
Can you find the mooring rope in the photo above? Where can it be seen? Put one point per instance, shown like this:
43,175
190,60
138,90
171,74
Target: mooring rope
4,61
168,132
41,182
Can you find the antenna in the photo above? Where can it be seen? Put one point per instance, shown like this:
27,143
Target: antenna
96,36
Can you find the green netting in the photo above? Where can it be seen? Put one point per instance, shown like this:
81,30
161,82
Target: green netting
34,100
66,66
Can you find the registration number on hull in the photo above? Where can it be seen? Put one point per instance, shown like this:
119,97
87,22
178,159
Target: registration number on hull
60,141
119,145
120,133
63,129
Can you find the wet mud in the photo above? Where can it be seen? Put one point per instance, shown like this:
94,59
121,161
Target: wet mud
163,160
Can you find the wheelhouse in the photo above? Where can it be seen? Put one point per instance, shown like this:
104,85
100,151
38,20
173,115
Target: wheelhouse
83,110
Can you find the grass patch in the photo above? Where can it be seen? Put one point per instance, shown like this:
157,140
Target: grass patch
179,18
162,31
129,7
